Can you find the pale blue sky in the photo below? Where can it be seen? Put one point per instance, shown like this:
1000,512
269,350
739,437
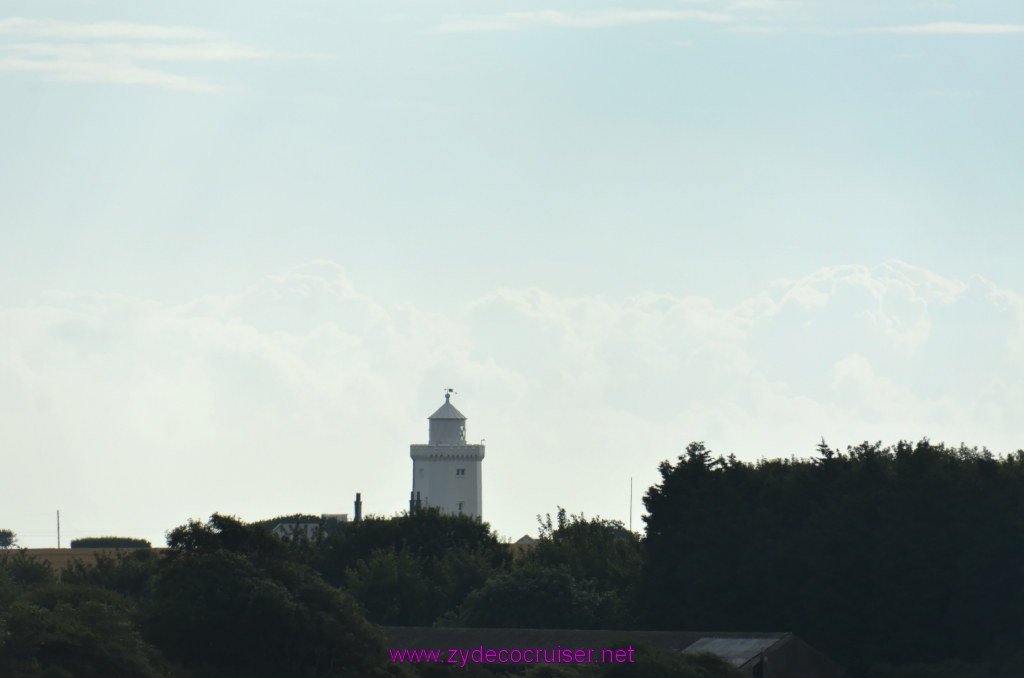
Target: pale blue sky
237,236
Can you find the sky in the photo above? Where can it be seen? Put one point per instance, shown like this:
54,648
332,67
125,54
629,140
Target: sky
244,247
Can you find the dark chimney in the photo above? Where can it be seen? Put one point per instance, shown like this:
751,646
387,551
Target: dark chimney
359,507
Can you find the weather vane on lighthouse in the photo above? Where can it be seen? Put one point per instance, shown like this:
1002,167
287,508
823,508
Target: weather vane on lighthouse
448,393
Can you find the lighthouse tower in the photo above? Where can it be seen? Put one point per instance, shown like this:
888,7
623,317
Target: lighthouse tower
446,472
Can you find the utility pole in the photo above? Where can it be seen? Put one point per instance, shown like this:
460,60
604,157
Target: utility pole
58,530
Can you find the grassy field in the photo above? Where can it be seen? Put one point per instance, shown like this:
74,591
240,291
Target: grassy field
61,557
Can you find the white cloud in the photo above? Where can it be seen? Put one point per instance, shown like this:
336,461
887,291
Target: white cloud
950,28
101,30
756,30
107,72
768,5
806,295
135,51
881,396
902,297
555,18
118,53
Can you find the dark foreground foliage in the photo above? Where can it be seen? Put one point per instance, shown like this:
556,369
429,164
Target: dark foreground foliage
68,629
906,556
411,569
898,562
582,574
649,662
228,599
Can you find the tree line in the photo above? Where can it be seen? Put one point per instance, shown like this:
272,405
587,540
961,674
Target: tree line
898,562
233,599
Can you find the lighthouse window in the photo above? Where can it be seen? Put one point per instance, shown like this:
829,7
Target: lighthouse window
460,471
460,506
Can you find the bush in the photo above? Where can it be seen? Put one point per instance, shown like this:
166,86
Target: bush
110,543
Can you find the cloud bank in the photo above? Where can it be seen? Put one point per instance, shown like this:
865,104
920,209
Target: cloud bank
299,391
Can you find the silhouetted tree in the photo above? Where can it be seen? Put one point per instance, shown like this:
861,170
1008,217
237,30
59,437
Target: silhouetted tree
879,555
411,569
230,598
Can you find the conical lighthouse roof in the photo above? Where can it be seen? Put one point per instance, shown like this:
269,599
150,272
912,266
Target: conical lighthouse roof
447,411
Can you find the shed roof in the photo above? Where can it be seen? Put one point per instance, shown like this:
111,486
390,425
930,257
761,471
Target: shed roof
736,651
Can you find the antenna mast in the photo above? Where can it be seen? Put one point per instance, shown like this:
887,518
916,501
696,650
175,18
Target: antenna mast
631,503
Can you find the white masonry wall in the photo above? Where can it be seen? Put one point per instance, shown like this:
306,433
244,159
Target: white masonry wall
435,477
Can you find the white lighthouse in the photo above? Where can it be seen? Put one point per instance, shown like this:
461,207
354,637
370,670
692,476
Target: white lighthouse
446,472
